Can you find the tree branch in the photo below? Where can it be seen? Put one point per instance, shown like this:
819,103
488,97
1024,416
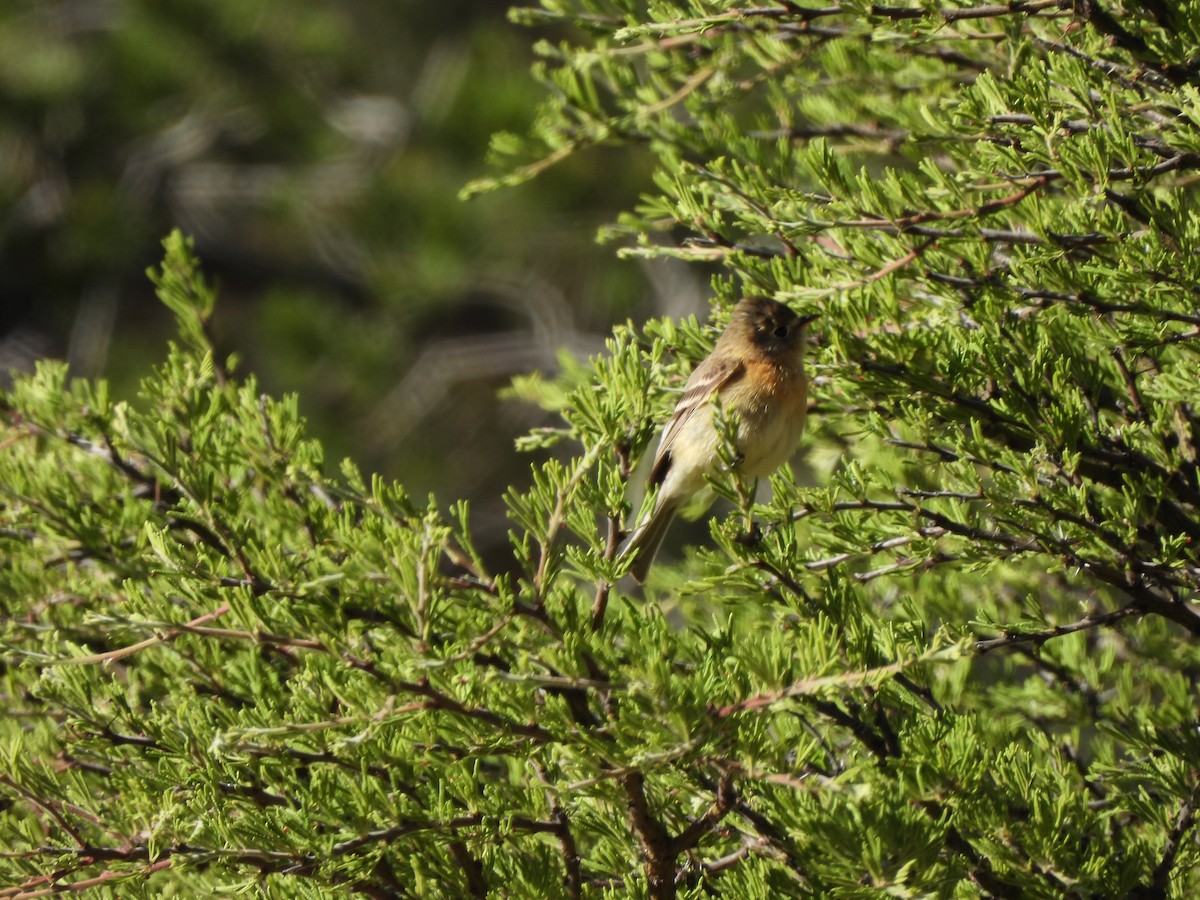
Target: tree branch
1096,620
694,833
656,844
1099,18
1160,880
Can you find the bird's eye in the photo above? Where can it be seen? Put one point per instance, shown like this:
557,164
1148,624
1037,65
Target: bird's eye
781,331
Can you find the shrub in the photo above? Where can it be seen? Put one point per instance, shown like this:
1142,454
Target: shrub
952,656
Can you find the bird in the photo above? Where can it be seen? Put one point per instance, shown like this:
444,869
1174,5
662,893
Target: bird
756,369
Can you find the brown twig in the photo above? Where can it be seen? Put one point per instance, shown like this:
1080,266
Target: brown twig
1095,620
808,687
656,843
122,652
694,833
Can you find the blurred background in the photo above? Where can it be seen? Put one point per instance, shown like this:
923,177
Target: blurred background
314,149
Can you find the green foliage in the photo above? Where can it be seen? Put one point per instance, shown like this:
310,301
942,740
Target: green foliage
953,657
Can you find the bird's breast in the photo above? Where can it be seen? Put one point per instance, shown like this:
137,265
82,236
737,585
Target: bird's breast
772,418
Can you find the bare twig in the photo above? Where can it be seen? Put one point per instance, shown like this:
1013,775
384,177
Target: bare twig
123,652
1095,620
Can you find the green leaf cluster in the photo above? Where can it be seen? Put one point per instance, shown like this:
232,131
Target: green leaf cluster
953,655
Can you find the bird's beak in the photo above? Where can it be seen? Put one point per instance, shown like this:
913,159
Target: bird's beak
811,317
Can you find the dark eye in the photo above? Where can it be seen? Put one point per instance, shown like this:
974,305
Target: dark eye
780,331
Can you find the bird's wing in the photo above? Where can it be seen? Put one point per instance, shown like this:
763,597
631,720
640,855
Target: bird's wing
709,377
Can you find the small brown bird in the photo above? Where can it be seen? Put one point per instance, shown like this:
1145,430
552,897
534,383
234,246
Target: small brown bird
757,370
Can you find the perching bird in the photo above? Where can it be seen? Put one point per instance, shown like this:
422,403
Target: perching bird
757,370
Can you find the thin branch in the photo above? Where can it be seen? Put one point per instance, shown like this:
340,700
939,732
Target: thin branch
656,843
52,807
438,700
1046,297
612,542
804,14
123,652
1095,620
1160,880
908,562
1127,76
786,580
807,687
714,867
883,271
893,137
416,826
988,11
557,518
781,841
77,887
694,833
1181,161
1133,44
570,851
1040,180
867,736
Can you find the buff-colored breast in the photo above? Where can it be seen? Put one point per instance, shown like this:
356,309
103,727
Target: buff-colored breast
772,419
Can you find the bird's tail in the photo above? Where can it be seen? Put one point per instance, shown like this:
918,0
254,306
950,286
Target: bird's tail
643,544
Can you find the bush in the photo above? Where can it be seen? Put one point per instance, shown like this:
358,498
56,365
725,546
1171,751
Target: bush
952,657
